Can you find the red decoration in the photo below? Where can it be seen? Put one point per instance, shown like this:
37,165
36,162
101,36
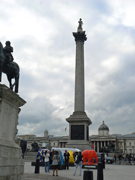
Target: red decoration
89,155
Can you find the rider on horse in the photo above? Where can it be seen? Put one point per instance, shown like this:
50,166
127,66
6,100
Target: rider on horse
8,50
7,66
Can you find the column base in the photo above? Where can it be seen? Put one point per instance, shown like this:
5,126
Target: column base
79,131
81,144
78,117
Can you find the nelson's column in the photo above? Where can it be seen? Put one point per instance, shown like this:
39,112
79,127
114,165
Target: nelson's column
78,121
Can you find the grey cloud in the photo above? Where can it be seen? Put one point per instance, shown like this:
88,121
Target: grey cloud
48,85
102,6
36,110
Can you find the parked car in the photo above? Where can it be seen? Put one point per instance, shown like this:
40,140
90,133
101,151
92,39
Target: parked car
108,159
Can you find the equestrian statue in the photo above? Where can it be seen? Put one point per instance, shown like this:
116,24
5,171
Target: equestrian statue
7,66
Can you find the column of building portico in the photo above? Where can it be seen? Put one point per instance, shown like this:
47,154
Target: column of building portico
60,144
115,144
97,146
123,147
101,144
94,145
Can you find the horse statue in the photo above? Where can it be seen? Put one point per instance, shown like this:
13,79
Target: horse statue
11,70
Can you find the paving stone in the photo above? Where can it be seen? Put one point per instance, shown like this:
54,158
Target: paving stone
111,172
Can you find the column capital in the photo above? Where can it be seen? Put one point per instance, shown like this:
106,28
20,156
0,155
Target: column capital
80,36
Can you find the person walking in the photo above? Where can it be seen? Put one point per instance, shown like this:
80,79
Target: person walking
66,158
129,158
115,157
56,160
79,162
47,163
51,156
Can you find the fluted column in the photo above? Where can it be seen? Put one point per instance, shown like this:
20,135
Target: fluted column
80,37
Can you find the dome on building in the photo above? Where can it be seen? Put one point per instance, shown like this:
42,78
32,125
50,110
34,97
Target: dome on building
103,127
103,130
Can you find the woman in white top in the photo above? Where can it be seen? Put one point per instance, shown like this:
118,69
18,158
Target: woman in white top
47,155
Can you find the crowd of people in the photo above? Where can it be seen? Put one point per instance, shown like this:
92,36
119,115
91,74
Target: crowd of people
53,158
126,157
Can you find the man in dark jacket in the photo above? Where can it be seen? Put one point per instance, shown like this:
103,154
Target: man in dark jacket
66,157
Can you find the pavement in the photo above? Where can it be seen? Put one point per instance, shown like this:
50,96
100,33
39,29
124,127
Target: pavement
111,172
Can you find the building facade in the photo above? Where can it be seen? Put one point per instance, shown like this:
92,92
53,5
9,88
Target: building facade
123,143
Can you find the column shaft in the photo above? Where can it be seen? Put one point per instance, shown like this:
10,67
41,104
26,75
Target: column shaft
79,77
97,146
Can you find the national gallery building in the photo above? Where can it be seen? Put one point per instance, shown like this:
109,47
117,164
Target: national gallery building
123,143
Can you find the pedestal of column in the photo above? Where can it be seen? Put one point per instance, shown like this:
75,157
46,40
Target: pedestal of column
79,131
11,164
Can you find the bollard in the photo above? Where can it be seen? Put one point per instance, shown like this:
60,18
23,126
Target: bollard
103,160
103,163
88,175
37,167
100,171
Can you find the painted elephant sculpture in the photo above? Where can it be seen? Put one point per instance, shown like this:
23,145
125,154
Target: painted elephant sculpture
71,157
40,154
89,155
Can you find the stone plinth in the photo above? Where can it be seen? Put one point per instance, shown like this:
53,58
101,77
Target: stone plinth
79,131
11,164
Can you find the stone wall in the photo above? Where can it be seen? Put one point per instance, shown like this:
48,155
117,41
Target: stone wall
11,164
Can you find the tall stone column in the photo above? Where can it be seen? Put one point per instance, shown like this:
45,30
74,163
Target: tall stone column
79,74
78,121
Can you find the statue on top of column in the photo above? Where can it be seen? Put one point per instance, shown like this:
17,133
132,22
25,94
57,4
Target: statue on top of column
79,29
80,34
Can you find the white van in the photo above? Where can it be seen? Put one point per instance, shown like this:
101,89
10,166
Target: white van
68,149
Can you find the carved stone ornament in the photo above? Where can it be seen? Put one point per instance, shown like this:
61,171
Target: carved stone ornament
7,94
80,34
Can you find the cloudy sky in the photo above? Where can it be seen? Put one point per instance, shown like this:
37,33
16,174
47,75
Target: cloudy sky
40,32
